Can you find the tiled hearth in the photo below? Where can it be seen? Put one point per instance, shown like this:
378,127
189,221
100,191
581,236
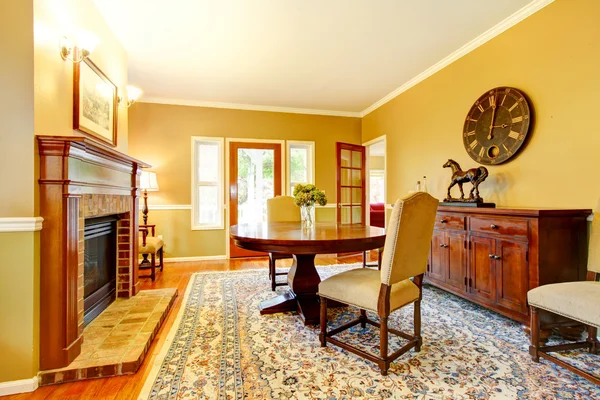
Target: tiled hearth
117,341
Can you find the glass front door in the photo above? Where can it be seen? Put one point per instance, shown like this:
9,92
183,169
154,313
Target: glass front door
255,176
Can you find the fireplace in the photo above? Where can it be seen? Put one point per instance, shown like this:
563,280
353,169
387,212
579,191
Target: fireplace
99,266
80,180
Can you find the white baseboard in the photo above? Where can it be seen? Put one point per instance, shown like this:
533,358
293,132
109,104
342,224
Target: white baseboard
20,386
199,258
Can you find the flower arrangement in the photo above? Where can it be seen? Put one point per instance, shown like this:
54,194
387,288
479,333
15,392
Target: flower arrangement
308,195
305,196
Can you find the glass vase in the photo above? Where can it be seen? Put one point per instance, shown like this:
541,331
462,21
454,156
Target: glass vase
307,214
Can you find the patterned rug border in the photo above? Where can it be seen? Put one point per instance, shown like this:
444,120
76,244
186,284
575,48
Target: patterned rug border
160,357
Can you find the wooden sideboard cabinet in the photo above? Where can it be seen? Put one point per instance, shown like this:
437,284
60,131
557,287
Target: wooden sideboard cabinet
493,256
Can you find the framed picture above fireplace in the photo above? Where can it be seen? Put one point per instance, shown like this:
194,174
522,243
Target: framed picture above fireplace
94,103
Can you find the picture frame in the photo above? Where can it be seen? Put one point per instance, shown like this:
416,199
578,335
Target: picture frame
95,103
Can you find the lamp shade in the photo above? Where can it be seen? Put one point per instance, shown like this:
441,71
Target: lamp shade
148,181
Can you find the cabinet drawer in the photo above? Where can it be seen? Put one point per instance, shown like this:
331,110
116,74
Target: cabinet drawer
505,226
449,221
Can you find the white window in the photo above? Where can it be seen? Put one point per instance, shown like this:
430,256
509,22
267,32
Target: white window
207,183
300,163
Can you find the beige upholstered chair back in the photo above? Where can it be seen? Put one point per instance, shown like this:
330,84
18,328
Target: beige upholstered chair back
408,238
594,247
282,209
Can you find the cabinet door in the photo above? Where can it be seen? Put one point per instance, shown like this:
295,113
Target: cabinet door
482,279
457,259
437,266
511,275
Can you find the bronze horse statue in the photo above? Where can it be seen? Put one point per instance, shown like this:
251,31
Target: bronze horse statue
473,175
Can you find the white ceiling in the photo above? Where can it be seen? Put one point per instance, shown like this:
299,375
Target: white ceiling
338,55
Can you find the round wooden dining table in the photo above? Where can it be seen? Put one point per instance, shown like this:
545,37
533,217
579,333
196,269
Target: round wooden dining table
304,244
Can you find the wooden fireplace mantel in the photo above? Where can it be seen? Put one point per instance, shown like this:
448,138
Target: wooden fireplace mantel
75,170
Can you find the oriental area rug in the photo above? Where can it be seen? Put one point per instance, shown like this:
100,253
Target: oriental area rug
220,347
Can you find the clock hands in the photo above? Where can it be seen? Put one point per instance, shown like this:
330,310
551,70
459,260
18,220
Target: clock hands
489,136
500,126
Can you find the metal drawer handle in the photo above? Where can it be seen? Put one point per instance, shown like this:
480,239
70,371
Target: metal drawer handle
442,245
496,257
444,221
494,226
490,255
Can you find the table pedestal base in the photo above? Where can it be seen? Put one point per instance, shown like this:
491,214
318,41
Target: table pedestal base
302,297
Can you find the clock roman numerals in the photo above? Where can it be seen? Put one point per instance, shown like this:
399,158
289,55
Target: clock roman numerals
473,144
514,135
517,119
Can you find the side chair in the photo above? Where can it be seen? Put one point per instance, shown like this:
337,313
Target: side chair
406,251
574,300
153,246
280,209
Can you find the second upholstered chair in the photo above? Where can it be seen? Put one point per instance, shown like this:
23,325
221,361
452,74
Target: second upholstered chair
405,256
577,301
280,209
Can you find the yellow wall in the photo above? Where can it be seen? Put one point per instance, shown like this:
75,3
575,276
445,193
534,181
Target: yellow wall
376,162
54,76
19,299
160,135
16,103
554,57
19,260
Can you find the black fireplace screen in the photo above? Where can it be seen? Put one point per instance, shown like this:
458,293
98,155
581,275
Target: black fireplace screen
100,265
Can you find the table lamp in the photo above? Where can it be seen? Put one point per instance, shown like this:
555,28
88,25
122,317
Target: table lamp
148,183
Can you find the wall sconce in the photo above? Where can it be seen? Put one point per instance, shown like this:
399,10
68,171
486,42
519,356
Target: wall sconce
81,49
132,94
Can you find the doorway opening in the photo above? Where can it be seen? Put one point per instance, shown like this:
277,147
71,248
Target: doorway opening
376,182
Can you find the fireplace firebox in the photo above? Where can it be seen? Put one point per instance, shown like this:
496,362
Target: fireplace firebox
100,265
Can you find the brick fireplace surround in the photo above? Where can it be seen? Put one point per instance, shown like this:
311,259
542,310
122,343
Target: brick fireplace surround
80,179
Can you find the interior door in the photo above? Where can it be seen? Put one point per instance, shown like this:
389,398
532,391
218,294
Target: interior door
254,177
351,174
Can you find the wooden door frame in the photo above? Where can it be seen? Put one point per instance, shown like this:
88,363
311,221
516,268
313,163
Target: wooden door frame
338,148
383,139
227,177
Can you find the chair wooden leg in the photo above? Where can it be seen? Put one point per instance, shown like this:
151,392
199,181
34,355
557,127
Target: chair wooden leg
383,331
323,335
161,259
364,259
153,266
535,335
273,273
363,318
379,257
417,323
592,339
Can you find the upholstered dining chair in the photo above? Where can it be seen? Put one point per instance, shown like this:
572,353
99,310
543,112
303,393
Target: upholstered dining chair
280,209
575,300
405,256
153,246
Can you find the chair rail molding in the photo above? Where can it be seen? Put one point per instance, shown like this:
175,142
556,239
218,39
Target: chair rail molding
20,386
20,224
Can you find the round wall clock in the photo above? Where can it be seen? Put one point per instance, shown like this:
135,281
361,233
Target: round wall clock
496,126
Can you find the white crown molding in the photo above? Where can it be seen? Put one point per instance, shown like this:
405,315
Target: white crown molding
24,224
199,258
491,33
249,107
20,386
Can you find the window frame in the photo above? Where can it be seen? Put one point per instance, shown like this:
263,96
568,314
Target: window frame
220,183
310,146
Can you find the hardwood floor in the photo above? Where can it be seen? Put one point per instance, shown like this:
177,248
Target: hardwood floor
175,275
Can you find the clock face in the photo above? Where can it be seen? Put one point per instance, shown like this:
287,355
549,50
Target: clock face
496,126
